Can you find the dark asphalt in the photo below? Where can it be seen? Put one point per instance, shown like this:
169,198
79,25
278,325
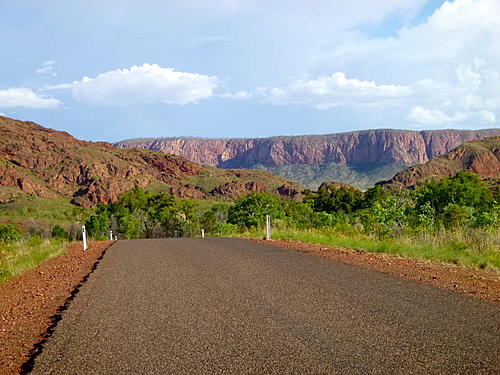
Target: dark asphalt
227,306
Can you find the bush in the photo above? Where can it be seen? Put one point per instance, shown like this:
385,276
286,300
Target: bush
251,210
61,233
224,229
8,233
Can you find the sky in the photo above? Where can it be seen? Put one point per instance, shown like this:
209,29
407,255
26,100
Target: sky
116,69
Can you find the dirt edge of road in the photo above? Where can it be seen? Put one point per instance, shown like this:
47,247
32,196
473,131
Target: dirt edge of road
31,304
482,284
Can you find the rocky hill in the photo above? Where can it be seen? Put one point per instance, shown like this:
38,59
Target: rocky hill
481,157
53,164
358,158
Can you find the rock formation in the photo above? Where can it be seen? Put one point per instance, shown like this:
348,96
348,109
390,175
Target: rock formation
53,164
371,147
481,157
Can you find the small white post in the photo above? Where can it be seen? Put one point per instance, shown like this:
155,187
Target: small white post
84,236
203,233
116,238
268,227
111,235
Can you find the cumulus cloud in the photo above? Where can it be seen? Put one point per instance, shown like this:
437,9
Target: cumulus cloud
428,116
473,95
148,83
333,91
47,68
26,98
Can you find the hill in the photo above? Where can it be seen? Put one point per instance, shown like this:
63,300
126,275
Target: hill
358,158
53,164
481,157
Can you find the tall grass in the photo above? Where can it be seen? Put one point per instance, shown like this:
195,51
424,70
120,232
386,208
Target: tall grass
18,257
473,248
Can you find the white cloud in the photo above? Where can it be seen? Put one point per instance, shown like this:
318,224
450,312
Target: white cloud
427,116
3,114
24,97
473,95
148,83
240,95
333,91
47,68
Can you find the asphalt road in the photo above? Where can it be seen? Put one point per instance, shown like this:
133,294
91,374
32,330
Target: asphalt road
227,306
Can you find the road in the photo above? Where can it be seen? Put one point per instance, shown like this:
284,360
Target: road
228,306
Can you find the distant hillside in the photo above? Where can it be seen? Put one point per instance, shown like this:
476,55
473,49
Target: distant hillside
358,158
481,157
53,164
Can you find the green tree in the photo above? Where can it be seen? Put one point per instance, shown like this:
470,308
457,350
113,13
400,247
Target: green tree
337,199
463,189
251,210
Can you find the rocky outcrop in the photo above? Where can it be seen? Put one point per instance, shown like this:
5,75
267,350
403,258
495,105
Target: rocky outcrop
330,186
53,164
481,157
371,147
236,189
289,191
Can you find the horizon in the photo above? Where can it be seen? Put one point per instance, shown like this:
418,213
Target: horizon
242,69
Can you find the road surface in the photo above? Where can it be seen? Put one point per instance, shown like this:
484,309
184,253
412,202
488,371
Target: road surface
228,306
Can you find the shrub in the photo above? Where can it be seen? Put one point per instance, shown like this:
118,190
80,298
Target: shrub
8,233
224,229
61,233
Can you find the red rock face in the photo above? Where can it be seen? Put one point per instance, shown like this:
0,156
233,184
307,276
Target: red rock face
377,147
53,164
481,157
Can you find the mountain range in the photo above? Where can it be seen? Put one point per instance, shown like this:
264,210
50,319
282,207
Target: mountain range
53,164
359,158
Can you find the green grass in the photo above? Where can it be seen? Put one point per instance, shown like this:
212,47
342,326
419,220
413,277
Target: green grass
54,211
24,255
474,250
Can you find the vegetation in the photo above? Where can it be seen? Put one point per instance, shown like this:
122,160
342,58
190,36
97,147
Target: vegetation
311,176
454,220
23,254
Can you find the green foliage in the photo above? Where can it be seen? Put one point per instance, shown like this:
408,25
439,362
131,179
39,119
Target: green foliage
337,199
224,229
8,233
463,189
61,233
251,210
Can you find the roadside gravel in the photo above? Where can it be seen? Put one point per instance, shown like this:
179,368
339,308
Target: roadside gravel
30,304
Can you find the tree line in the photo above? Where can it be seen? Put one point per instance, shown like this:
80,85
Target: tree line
453,203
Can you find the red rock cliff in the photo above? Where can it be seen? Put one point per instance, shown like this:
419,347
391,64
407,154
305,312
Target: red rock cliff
379,147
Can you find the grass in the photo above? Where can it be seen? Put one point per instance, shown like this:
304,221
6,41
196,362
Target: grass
20,256
474,249
26,206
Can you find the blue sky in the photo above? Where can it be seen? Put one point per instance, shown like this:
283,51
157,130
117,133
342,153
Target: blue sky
115,69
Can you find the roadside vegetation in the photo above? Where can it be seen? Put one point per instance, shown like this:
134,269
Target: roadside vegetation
20,251
454,220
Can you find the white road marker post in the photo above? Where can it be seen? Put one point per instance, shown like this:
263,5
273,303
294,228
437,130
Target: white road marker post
203,233
84,237
268,227
111,235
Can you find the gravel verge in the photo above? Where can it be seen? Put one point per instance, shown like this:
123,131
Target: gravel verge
31,303
482,284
